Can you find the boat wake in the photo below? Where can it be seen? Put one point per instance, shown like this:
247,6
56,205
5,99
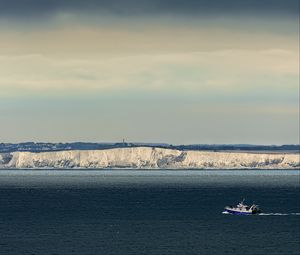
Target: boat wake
271,214
225,212
278,214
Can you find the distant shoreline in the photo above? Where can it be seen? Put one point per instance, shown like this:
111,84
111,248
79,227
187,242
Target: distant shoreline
150,169
149,158
47,147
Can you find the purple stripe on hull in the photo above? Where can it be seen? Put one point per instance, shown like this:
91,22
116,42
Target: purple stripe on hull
237,212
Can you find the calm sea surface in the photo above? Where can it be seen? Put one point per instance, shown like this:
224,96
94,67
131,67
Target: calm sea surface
147,212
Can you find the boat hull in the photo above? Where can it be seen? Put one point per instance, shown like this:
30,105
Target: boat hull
239,212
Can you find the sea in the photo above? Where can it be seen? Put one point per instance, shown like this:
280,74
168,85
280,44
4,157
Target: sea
161,212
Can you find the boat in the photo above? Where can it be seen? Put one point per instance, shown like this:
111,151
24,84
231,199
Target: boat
243,209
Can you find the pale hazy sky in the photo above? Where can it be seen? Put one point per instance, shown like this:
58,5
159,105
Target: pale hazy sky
193,71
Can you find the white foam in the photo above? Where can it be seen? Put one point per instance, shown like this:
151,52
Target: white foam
270,214
278,214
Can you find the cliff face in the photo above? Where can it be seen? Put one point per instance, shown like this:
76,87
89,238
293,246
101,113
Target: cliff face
145,157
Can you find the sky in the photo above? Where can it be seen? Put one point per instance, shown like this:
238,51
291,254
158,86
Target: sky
180,72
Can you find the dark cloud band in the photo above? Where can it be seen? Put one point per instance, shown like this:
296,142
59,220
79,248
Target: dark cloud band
19,8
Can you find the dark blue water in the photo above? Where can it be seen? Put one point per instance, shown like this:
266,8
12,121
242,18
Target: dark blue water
133,212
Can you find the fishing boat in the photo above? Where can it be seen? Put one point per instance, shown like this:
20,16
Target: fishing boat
243,209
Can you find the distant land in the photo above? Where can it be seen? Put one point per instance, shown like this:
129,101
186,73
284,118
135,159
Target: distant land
147,156
44,147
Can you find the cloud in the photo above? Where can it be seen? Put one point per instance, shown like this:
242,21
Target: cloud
42,9
201,67
224,71
162,57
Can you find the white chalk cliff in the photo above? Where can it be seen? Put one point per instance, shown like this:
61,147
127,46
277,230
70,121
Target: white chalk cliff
149,158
